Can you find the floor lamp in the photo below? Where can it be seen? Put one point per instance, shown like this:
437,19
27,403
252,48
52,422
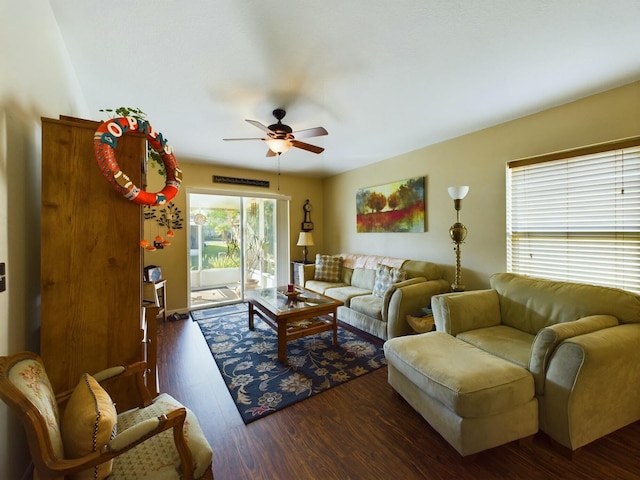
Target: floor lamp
305,240
458,232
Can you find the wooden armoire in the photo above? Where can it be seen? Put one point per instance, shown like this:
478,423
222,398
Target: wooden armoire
91,261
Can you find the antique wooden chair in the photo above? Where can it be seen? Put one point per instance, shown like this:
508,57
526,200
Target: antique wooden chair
158,439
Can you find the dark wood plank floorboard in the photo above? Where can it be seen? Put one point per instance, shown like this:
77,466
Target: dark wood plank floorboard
359,430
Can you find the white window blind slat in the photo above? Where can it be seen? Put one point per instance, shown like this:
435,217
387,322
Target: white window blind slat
577,218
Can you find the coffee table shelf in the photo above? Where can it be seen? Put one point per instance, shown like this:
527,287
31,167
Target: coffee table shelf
309,314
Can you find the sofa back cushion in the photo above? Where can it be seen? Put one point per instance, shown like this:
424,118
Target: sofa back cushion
363,278
418,268
531,304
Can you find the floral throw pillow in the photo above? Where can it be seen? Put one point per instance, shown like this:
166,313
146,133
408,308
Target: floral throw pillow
385,277
328,268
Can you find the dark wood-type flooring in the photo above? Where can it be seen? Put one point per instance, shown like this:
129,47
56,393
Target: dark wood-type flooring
359,430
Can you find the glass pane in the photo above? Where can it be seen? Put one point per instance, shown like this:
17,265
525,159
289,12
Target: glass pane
215,260
259,243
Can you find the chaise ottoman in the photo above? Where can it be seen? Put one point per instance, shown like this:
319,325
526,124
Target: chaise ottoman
474,399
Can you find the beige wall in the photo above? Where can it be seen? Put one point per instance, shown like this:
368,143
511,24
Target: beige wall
478,160
174,259
36,80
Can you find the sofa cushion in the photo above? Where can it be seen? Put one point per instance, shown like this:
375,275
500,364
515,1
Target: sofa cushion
89,423
419,268
322,287
503,341
328,268
369,305
345,293
385,277
469,381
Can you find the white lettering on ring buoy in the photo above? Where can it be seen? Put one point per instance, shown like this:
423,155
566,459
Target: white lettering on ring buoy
105,140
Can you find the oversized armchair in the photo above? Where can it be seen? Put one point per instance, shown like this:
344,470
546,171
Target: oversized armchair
78,433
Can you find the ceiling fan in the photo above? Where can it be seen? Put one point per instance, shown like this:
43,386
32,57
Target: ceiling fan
281,137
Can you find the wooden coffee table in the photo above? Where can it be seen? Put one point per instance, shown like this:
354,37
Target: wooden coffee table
293,315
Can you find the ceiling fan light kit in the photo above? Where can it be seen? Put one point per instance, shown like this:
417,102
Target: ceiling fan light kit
281,137
278,145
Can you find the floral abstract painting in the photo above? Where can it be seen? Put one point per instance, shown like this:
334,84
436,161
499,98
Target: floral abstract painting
393,207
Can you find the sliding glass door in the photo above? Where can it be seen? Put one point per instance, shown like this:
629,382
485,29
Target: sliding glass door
233,246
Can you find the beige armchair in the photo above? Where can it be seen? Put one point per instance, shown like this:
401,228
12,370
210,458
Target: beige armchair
78,433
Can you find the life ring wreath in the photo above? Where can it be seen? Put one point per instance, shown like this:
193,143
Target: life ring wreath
105,141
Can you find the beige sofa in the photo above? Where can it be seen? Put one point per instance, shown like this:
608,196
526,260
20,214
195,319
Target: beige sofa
578,344
383,316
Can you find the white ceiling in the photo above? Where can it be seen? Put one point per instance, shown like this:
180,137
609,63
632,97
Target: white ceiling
382,77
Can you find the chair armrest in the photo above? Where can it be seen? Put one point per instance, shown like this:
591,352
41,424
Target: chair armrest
458,312
591,385
550,337
405,298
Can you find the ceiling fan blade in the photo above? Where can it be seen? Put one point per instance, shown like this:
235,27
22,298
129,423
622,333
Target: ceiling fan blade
310,132
247,138
271,153
262,127
307,146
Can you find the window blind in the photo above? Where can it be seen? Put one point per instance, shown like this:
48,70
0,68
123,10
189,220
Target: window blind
575,216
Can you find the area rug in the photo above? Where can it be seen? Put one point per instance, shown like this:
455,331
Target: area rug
216,311
260,385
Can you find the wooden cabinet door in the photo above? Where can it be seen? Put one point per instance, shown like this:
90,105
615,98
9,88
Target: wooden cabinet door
91,261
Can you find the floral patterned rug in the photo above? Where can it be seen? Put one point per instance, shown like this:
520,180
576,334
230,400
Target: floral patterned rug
259,384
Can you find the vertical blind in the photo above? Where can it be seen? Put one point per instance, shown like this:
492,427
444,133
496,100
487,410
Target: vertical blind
575,216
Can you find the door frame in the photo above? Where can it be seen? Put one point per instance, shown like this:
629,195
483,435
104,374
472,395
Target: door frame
282,229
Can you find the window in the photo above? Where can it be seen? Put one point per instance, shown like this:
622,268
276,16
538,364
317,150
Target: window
575,215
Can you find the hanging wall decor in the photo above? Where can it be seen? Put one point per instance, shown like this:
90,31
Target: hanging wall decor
167,216
393,207
104,144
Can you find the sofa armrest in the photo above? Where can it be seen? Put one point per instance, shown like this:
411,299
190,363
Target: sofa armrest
458,312
406,298
305,272
550,337
591,385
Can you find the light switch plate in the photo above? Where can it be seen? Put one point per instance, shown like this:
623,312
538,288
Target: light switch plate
3,278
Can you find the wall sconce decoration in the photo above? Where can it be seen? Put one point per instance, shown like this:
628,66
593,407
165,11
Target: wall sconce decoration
305,239
458,232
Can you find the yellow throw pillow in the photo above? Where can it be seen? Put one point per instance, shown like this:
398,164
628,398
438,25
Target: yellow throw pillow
89,423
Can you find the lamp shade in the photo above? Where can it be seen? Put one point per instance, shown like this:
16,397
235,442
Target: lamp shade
305,239
278,145
458,193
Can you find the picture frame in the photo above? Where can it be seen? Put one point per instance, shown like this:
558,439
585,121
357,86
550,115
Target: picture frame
393,207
